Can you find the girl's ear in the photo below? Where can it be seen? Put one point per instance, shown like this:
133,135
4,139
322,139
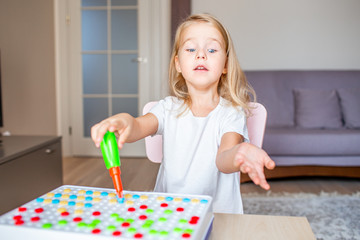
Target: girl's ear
225,68
177,64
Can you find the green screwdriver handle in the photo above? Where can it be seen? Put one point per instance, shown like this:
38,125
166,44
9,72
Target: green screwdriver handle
110,150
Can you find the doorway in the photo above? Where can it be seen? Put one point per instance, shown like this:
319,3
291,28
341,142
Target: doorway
117,55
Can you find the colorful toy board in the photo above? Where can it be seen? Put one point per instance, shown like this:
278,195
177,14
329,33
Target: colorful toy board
77,212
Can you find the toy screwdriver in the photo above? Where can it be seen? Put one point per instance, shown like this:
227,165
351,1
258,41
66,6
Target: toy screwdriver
111,156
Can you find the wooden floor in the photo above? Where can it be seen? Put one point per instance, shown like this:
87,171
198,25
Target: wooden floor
139,174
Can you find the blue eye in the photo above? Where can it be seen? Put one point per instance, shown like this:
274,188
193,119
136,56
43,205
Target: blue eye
211,50
190,50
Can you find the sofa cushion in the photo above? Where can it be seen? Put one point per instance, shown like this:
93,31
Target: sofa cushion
350,105
341,161
312,142
317,108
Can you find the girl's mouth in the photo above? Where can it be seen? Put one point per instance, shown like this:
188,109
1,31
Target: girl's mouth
201,67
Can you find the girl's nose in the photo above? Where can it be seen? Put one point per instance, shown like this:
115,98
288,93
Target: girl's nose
200,55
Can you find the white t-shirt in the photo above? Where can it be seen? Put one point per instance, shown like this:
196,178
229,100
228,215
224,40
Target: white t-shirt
190,145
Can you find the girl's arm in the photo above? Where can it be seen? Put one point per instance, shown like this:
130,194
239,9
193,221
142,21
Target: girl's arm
126,127
235,155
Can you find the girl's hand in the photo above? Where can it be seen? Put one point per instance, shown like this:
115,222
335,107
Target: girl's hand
121,124
252,160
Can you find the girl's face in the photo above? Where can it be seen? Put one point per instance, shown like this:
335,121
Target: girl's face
201,58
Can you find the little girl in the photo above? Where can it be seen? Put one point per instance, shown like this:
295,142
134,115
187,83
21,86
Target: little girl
203,123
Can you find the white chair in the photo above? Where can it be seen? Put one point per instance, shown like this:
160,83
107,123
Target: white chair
255,123
153,145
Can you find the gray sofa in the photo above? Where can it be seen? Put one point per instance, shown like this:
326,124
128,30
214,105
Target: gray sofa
313,125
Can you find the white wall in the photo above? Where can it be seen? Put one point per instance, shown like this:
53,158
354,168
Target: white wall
27,67
290,34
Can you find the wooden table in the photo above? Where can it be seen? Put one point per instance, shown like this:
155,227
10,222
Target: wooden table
237,226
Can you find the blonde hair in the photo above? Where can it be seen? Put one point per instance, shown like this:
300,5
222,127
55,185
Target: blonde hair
232,86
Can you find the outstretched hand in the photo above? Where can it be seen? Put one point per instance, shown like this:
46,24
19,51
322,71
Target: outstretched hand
252,160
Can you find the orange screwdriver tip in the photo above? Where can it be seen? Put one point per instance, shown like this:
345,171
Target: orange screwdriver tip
120,194
120,199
